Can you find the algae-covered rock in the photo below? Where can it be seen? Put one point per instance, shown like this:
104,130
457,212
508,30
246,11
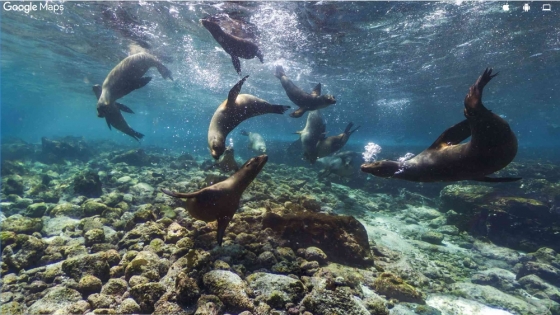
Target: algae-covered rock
394,287
209,305
339,301
342,238
94,236
13,308
146,264
93,264
546,272
26,252
229,287
186,288
114,287
21,225
142,233
135,158
128,306
276,290
88,184
57,298
13,184
537,286
175,232
68,210
147,295
432,237
89,284
36,210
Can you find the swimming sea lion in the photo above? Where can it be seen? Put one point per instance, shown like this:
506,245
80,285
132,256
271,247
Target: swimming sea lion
114,117
332,144
313,132
126,77
256,142
342,164
492,147
236,47
304,100
227,162
220,201
234,110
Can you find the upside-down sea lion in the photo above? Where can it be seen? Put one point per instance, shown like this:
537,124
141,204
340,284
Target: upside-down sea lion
234,110
126,77
304,100
235,46
343,164
332,144
114,117
256,142
491,148
313,132
220,201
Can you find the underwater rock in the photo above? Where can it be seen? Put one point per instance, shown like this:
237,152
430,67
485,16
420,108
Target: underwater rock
67,209
100,301
89,284
88,184
342,238
142,233
432,237
26,252
394,287
135,158
94,236
544,271
229,287
147,295
56,299
12,184
500,279
128,306
186,288
315,253
339,301
35,210
538,287
65,149
209,305
165,307
92,264
515,222
175,232
146,264
21,225
114,287
276,290
12,168
17,149
92,207
54,226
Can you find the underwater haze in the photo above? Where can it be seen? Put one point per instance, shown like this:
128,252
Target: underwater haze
93,221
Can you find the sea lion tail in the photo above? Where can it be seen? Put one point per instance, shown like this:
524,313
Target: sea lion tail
244,133
351,132
260,56
348,127
136,135
298,113
279,109
279,72
165,73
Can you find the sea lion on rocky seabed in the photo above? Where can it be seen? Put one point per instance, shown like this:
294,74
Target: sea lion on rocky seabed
332,144
220,201
233,111
114,117
256,141
236,47
227,162
304,100
491,148
126,77
313,132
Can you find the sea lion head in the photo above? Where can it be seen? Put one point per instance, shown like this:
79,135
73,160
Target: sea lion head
210,24
217,147
383,168
329,99
255,165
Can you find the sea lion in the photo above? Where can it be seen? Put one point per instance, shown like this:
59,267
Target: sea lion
234,110
235,46
126,77
221,200
313,132
491,148
332,144
114,117
342,164
256,142
304,100
227,162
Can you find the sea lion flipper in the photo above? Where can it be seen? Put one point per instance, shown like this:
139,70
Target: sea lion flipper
222,225
498,179
232,96
260,56
279,109
473,100
165,73
108,123
298,113
124,108
97,90
179,195
453,135
236,63
316,90
279,72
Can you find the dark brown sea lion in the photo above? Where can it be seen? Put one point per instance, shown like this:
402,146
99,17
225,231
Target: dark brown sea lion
234,110
235,46
332,144
220,201
126,77
491,148
304,100
114,117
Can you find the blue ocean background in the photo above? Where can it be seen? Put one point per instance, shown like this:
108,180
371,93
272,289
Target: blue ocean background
400,70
